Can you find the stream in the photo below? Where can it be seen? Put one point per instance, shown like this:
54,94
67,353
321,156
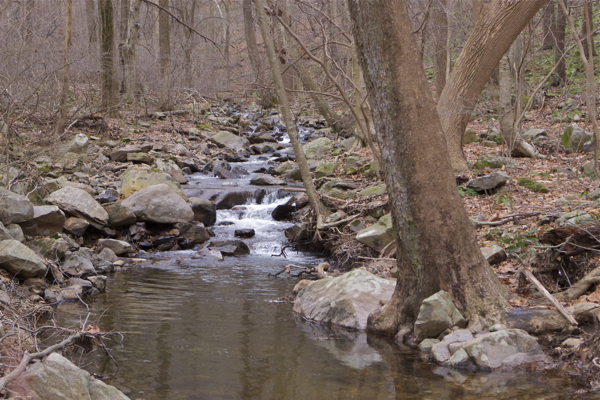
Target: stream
202,329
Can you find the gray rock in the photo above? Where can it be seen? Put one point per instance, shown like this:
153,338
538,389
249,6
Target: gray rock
78,145
76,226
378,235
56,184
229,140
16,232
443,350
120,155
344,301
487,161
80,204
284,167
354,164
119,247
99,282
140,158
437,313
318,148
533,133
205,211
14,207
20,260
5,233
470,136
171,168
494,254
426,345
230,247
159,204
139,177
119,216
108,255
325,169
57,378
574,138
267,180
504,349
594,195
488,182
78,264
196,233
261,137
49,248
46,221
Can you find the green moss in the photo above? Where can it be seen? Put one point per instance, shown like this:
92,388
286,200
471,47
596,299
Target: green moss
488,162
532,185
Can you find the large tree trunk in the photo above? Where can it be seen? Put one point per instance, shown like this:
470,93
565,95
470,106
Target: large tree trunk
496,28
64,92
189,17
587,9
90,16
439,21
311,191
107,55
437,247
127,49
549,24
253,54
560,74
164,55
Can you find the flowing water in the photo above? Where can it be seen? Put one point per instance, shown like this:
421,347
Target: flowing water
198,329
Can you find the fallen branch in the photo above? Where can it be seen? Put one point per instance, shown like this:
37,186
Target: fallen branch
580,287
547,295
505,220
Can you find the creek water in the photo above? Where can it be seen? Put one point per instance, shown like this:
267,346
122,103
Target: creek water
200,329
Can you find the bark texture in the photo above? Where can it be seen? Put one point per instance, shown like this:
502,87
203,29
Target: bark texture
64,92
107,55
560,74
497,26
439,30
437,248
164,55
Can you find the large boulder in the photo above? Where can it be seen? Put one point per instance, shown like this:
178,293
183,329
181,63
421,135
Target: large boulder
437,313
79,265
139,177
46,221
230,247
119,216
14,207
574,138
171,168
20,260
267,180
52,185
378,235
119,247
505,349
80,204
5,234
50,248
229,140
159,204
79,144
488,182
120,155
346,300
318,148
57,378
205,211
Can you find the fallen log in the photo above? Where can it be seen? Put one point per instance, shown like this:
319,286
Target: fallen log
580,239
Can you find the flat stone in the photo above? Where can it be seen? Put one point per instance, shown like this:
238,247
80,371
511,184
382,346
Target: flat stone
119,247
46,221
494,254
20,260
119,216
140,158
159,204
79,265
488,182
14,207
267,180
80,204
378,235
437,313
139,177
76,226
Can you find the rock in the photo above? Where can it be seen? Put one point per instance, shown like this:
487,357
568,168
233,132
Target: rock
158,204
533,133
354,164
171,168
573,218
76,226
325,169
572,343
230,247
489,143
443,350
426,345
120,155
49,248
379,235
508,348
79,265
494,254
56,184
107,255
58,378
119,247
14,207
5,233
20,260
78,145
195,233
99,282
267,180
108,196
16,232
282,212
374,190
300,285
46,221
594,195
574,138
261,137
284,167
437,313
80,204
244,233
486,161
337,189
140,158
344,301
139,177
532,185
229,140
205,211
470,136
488,182
119,216
318,148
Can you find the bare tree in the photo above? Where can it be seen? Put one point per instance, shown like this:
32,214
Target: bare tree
107,51
90,15
128,51
164,55
62,118
560,74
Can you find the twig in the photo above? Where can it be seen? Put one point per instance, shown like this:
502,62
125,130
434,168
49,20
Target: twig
506,220
547,295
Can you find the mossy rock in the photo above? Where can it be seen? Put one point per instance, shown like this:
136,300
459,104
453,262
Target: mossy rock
574,138
532,185
470,136
325,169
373,190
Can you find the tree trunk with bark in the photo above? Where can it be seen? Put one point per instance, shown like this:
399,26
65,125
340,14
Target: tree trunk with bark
254,55
437,247
549,24
189,17
439,21
90,16
127,50
107,55
64,92
560,74
588,9
496,28
319,209
164,56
